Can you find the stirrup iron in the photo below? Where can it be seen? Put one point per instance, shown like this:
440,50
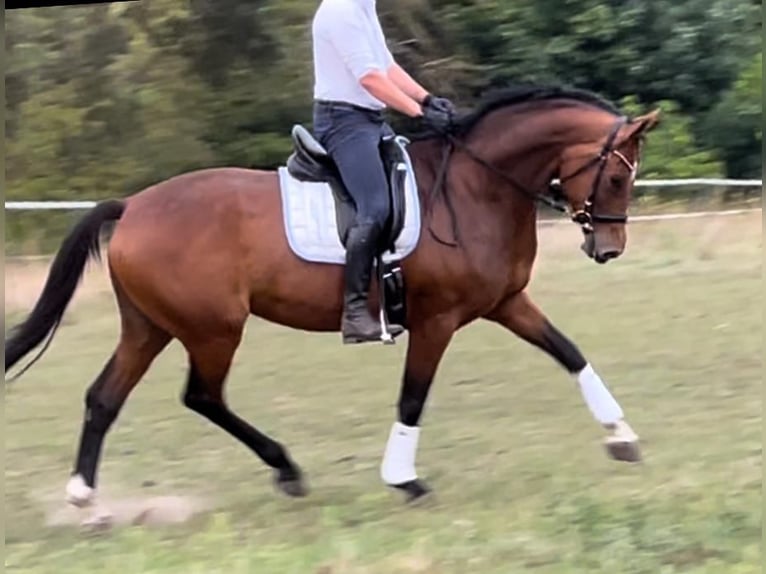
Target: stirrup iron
385,335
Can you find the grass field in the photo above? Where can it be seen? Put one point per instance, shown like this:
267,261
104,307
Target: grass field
521,481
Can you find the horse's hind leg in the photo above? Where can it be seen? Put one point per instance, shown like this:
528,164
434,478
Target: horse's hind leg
140,342
209,364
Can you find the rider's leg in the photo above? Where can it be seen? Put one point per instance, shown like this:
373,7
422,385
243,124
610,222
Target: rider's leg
352,138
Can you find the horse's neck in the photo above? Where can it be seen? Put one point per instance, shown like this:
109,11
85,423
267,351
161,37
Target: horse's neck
524,144
486,215
527,143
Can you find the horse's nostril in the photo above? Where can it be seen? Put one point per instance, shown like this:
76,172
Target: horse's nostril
604,256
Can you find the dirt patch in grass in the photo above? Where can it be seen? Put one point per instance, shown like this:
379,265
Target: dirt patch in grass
124,511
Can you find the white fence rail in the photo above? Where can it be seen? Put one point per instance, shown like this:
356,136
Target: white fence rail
47,205
713,182
666,216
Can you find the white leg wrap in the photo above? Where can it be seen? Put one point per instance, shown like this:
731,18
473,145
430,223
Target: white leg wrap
398,464
600,401
77,492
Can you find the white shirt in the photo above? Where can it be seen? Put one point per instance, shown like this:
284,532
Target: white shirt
348,42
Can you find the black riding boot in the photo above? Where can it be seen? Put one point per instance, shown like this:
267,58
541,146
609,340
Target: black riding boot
358,324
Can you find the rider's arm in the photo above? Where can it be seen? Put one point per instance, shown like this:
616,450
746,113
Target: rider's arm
382,87
406,83
351,39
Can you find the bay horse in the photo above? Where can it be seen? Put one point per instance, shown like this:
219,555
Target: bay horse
192,257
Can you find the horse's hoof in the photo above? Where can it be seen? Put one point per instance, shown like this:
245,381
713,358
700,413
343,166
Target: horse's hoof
78,493
414,490
294,488
622,450
622,443
291,484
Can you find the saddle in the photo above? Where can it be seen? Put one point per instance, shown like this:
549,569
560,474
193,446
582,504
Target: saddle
310,162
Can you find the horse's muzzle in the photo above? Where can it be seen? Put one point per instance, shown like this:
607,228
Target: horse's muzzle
600,256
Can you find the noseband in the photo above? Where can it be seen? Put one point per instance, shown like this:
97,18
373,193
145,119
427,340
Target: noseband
584,216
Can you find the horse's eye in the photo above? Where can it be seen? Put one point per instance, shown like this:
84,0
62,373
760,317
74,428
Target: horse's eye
617,181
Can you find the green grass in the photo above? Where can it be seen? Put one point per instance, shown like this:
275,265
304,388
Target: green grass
521,480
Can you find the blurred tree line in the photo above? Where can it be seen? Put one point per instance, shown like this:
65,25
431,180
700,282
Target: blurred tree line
102,100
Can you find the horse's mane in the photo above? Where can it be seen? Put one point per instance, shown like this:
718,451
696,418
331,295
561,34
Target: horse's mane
521,94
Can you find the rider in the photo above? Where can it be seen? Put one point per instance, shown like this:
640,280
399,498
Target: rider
356,77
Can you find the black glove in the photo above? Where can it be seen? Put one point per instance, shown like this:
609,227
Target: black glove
439,120
438,103
438,113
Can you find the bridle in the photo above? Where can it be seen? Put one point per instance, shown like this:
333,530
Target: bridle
585,216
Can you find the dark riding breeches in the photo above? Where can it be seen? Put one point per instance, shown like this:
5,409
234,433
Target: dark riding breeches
352,136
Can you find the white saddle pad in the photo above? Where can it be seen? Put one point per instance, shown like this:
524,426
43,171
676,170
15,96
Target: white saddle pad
311,227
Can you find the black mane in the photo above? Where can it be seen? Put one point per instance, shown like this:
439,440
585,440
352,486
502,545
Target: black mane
522,94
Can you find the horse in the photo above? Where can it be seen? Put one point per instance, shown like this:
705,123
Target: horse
194,256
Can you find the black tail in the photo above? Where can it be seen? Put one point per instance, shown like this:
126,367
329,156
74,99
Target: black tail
65,273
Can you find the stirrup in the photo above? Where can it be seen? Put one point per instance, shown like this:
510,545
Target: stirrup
385,336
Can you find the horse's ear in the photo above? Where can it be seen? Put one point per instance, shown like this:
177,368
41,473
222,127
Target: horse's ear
643,124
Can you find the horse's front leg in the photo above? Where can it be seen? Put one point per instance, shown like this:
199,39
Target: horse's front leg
520,315
426,345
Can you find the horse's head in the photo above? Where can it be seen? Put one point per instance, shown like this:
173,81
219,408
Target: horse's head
597,181
561,146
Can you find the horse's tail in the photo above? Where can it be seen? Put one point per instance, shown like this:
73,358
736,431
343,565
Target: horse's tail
82,243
